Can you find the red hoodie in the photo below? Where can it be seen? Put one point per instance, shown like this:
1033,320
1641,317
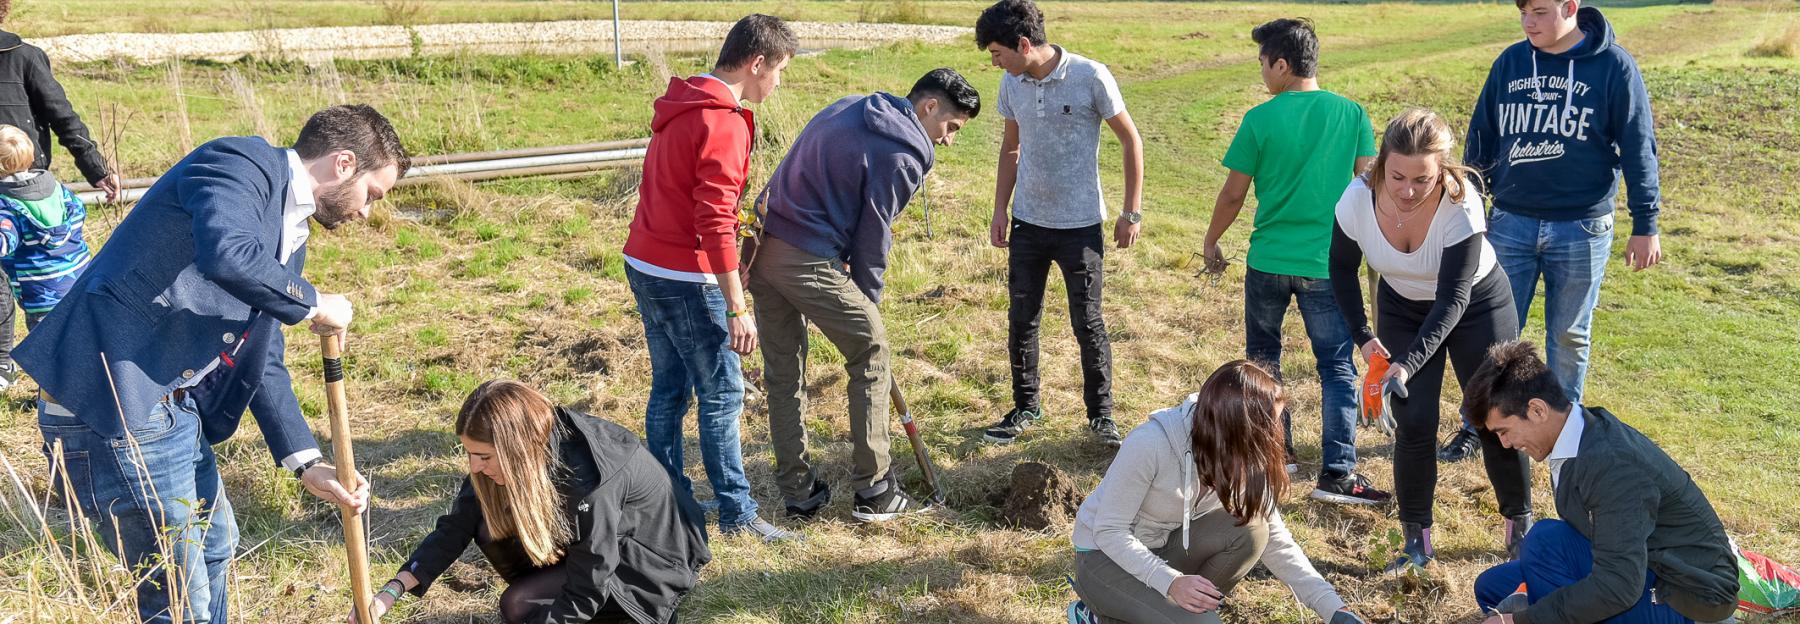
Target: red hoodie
694,172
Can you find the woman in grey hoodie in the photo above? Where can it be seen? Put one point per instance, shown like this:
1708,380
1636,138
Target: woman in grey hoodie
1188,507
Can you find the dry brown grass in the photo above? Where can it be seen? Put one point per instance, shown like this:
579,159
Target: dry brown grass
1785,44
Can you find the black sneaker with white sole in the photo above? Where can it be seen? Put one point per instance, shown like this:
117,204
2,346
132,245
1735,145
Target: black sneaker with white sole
883,502
1350,489
814,503
1012,424
1106,431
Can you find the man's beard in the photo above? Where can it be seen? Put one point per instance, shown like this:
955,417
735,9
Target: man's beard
335,206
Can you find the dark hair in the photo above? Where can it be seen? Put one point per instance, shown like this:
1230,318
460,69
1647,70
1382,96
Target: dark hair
1511,376
1007,21
1521,3
757,35
948,87
1239,443
358,128
1291,40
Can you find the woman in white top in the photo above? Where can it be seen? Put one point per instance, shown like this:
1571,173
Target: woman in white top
1419,221
1188,507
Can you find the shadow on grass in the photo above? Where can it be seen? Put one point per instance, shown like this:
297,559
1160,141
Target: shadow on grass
1604,4
426,486
845,592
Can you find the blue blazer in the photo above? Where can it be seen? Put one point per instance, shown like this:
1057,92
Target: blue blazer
191,275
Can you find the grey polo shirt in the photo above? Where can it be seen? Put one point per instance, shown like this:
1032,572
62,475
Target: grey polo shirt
1059,117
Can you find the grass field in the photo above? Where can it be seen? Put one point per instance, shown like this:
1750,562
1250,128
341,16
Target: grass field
457,284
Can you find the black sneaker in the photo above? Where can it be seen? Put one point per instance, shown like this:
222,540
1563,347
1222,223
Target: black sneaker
1350,489
1463,445
9,373
1293,463
883,502
1012,424
1106,430
814,503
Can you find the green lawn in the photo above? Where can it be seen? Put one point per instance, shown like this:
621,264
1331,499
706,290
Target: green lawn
457,284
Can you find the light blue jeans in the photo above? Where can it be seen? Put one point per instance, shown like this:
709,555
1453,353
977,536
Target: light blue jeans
1571,258
154,495
691,358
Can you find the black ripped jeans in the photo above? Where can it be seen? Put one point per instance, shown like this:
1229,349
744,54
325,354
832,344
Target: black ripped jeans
1080,253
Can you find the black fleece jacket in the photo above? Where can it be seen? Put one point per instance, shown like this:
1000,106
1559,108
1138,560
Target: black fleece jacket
32,100
639,541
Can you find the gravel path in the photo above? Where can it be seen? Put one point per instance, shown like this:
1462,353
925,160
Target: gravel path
388,41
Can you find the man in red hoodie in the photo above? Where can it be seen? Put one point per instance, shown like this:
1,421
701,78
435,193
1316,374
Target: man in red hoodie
682,261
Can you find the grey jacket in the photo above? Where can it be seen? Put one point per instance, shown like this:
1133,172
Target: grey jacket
1642,512
1150,490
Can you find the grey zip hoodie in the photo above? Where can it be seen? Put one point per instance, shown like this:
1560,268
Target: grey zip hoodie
1151,490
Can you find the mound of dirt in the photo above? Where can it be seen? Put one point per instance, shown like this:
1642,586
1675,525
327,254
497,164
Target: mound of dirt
1039,497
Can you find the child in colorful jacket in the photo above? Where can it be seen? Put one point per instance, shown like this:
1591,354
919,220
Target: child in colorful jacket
42,246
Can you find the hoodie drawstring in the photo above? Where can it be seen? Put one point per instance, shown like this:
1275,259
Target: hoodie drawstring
1536,89
1187,499
1569,91
1568,87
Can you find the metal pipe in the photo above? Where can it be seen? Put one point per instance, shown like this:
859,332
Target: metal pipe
560,162
529,151
562,171
618,45
528,161
524,172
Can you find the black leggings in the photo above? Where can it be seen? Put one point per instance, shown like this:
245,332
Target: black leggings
530,589
1490,319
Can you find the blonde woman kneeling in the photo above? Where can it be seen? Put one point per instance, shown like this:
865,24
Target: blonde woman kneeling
1188,507
571,510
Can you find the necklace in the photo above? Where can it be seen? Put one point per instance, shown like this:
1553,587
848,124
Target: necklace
1401,215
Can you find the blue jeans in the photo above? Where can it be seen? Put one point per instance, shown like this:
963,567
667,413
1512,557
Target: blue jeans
159,502
691,357
1266,298
1571,257
1554,556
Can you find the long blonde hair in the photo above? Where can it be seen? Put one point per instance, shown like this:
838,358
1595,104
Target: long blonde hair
519,422
1421,132
17,152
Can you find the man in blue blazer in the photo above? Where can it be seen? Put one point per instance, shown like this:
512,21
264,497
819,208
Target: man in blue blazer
175,329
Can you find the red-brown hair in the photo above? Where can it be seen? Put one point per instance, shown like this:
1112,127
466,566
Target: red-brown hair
1239,443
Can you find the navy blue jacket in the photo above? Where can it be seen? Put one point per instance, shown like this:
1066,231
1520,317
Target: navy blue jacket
191,274
844,181
1551,132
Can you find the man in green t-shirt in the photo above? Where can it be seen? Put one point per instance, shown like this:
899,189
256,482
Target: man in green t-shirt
1301,149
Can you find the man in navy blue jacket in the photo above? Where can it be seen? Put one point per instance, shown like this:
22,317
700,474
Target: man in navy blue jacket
175,329
1562,114
827,227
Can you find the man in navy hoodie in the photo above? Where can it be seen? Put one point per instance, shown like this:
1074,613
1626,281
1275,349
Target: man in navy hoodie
1562,114
827,216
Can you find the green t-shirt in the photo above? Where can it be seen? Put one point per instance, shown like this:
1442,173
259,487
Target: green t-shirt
1300,147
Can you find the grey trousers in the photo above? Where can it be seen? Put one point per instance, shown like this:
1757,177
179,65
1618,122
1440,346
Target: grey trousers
792,287
1218,550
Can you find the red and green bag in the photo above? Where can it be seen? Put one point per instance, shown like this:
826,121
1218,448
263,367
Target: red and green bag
1766,587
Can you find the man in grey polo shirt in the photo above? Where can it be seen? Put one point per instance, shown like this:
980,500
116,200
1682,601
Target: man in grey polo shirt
1049,175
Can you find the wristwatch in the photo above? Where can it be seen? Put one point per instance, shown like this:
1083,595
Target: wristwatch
1133,217
298,472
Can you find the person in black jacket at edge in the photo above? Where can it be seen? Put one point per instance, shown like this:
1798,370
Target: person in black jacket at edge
32,100
571,510
1638,543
